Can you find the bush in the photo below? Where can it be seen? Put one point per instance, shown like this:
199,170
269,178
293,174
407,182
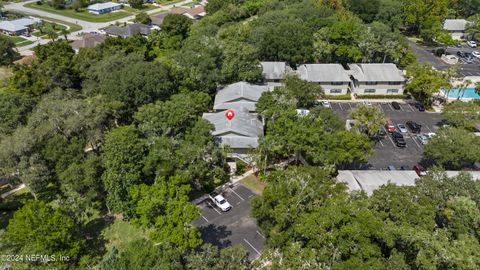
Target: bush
241,167
439,51
39,3
381,96
338,97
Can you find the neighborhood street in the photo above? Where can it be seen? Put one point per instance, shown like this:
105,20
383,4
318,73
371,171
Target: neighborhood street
86,26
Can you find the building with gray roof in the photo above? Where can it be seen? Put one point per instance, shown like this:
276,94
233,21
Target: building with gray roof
456,27
18,27
274,71
129,30
240,94
332,77
376,79
370,180
101,8
241,133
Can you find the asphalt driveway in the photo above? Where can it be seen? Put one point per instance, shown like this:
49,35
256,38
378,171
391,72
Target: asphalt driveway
235,227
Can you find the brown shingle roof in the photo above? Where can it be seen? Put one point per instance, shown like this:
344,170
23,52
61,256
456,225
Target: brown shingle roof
88,41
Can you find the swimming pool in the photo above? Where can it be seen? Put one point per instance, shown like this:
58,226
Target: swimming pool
456,93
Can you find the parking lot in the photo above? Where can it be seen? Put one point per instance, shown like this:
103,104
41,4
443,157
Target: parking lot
235,227
386,152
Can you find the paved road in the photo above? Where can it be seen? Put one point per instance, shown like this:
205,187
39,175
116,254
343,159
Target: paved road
86,26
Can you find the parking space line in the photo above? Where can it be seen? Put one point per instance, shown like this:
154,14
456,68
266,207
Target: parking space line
237,195
401,108
428,128
349,105
411,108
239,203
381,142
389,105
205,218
251,195
340,104
213,207
391,141
415,140
248,243
261,235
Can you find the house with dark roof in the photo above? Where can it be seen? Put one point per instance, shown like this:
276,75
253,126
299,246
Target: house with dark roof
456,27
87,41
376,79
332,77
128,30
241,133
158,18
237,95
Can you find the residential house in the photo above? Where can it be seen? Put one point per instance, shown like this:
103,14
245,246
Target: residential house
194,13
102,8
128,30
87,41
332,77
158,19
274,72
237,95
456,27
19,27
376,79
241,133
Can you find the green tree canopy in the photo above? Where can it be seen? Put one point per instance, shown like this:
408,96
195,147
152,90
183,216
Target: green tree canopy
7,51
463,114
368,119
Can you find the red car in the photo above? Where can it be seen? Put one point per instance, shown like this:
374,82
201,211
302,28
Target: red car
390,126
420,170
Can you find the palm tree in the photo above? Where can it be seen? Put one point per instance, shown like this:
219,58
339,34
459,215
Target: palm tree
52,34
64,33
464,86
368,119
477,88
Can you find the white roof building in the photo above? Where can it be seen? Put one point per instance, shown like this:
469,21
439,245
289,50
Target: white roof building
455,25
323,73
102,6
376,73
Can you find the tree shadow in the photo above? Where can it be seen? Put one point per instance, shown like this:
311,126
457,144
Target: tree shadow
216,235
92,233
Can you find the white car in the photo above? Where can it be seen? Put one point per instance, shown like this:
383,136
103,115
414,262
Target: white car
476,54
423,139
220,201
402,128
367,103
472,44
430,134
326,103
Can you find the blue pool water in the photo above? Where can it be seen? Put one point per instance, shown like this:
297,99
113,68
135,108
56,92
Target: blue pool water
469,93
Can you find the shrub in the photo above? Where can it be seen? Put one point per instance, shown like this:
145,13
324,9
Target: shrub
241,167
339,97
381,96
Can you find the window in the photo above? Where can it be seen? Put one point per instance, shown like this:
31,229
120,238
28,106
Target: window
369,91
337,83
394,83
335,91
370,83
392,91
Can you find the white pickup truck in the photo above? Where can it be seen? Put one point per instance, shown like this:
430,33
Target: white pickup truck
220,201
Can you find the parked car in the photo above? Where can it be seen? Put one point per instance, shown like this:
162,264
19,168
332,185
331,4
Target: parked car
326,104
414,127
422,138
471,44
402,128
461,54
367,103
398,139
390,126
476,54
220,201
468,57
391,168
420,107
420,170
395,105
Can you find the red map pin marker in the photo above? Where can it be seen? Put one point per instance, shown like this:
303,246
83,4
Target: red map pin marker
230,114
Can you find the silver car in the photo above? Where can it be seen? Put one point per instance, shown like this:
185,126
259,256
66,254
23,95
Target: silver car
402,128
422,138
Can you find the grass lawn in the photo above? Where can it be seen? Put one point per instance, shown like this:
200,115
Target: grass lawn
46,26
253,183
170,2
82,15
19,41
120,232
